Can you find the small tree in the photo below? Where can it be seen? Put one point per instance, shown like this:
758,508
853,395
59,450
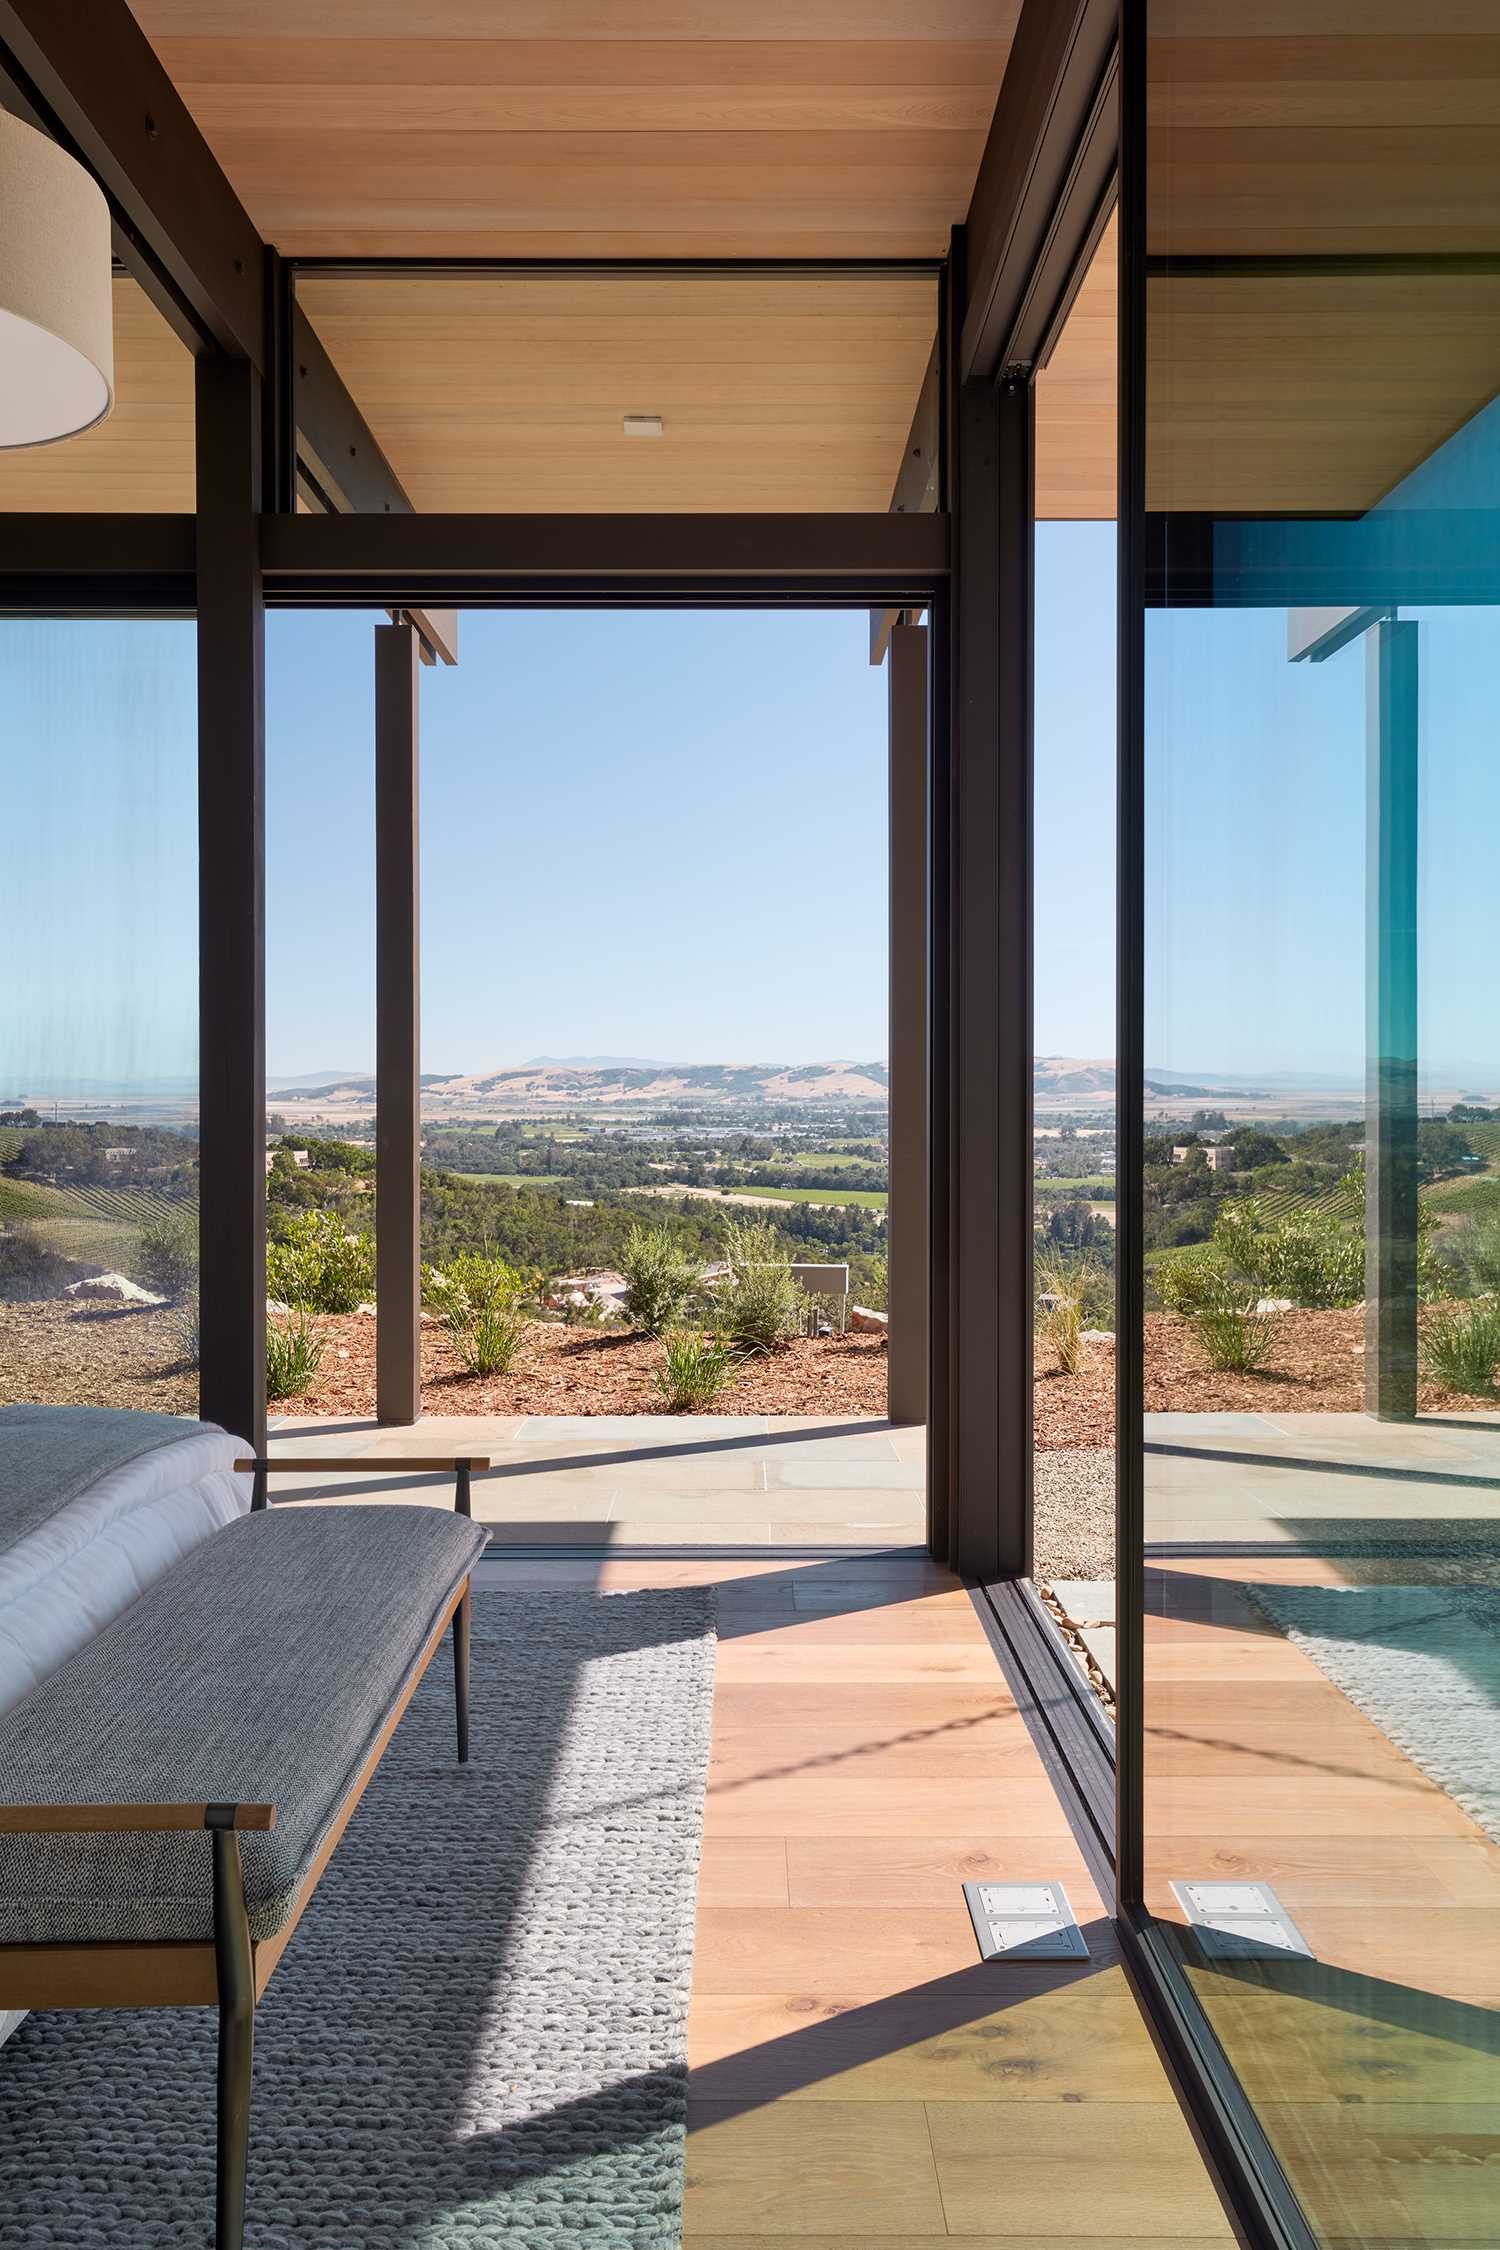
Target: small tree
660,1276
319,1264
167,1259
763,1307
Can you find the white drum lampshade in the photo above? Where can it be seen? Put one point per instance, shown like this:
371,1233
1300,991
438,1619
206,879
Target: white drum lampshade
57,362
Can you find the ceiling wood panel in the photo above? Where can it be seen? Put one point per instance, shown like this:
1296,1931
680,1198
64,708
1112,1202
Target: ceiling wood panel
140,460
1075,400
508,392
1365,131
1309,393
607,128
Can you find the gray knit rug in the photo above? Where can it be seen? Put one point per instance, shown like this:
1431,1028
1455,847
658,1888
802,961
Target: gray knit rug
1423,1662
477,2037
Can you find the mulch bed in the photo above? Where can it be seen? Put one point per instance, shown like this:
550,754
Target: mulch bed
566,1370
60,1352
57,1353
1316,1366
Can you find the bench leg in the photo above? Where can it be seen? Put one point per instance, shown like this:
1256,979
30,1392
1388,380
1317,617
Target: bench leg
235,1965
461,1623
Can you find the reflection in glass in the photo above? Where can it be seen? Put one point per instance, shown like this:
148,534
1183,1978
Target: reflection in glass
99,1033
1321,1186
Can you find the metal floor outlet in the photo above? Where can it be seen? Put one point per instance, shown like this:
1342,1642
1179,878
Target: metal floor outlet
1030,1919
1239,1921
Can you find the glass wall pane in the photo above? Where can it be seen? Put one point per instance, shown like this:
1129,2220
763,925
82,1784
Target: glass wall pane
1074,972
320,1008
1321,1186
640,393
99,1027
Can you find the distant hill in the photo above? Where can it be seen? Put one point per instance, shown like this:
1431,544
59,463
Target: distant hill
665,1085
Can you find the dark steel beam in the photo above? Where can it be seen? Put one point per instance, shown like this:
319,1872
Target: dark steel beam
1044,182
74,546
335,444
1417,557
424,555
231,903
398,1037
91,73
82,565
918,480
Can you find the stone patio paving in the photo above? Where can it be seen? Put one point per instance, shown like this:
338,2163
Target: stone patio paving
643,1480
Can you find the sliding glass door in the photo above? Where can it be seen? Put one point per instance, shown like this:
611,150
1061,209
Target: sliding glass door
1317,1204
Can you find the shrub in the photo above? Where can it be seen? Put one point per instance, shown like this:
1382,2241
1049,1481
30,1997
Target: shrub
695,1366
1187,1282
1312,1260
1236,1338
473,1281
1479,1249
1060,1310
486,1337
167,1259
29,1266
187,1320
1461,1347
763,1307
319,1265
877,1287
660,1277
294,1353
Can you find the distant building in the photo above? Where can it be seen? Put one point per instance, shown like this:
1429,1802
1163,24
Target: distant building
1218,1159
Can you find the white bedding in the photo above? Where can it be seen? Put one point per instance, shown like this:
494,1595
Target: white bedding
68,1578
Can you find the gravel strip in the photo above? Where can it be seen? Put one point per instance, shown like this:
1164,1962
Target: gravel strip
1075,1513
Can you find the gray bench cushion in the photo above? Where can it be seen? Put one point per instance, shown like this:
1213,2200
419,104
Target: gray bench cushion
259,1670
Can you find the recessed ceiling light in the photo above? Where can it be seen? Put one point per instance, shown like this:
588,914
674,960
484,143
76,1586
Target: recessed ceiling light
643,425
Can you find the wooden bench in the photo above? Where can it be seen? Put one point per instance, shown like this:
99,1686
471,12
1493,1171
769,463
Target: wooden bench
163,1828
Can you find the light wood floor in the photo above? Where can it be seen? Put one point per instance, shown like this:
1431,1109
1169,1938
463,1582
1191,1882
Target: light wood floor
859,2076
1376,2066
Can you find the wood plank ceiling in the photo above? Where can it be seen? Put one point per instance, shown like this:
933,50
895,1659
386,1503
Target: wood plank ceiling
608,129
1283,130
139,460
593,128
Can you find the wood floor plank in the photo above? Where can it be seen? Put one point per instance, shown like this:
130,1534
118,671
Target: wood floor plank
800,2168
1080,2168
1077,2041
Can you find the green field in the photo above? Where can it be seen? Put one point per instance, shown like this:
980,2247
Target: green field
1096,1183
1469,1199
867,1199
97,1225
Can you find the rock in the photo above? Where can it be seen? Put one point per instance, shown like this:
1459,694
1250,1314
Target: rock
1274,1304
866,1319
1105,1336
113,1289
367,1309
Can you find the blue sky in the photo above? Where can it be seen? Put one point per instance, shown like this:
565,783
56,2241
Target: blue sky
664,835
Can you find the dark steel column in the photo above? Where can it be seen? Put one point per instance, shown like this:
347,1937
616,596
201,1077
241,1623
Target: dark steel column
990,1242
1130,973
906,1218
398,1037
231,902
1391,1021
